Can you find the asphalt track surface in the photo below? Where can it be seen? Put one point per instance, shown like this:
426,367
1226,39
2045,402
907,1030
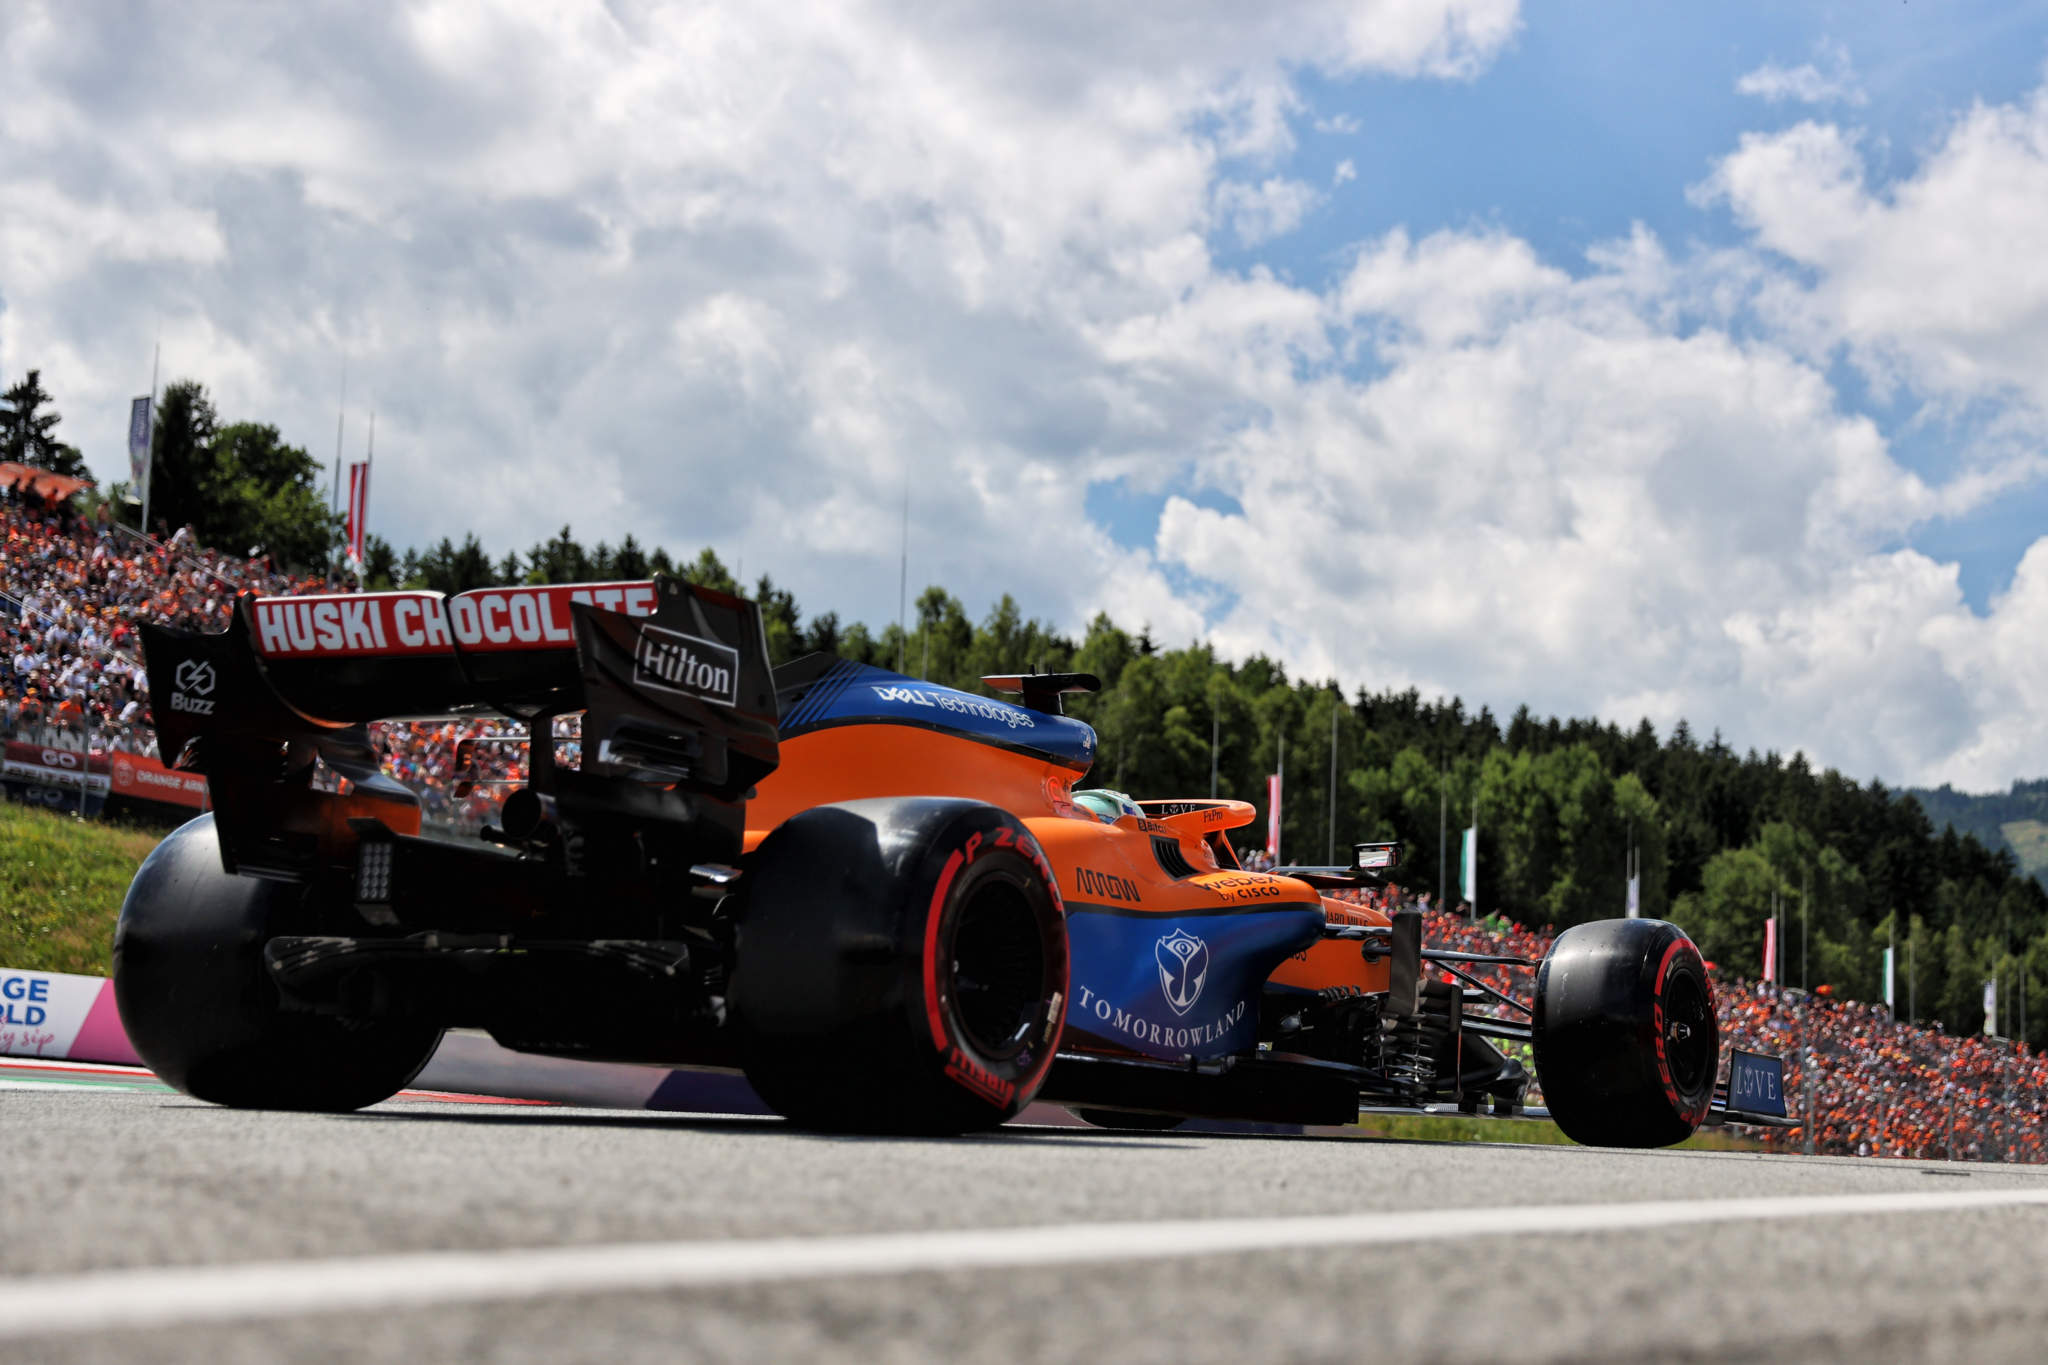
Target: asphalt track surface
136,1224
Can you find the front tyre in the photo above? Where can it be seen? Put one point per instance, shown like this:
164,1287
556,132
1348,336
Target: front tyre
900,967
1625,1038
200,1008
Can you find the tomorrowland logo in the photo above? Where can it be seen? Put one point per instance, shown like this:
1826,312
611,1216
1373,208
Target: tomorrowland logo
1183,968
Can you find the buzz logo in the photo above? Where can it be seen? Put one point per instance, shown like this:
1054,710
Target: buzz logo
195,676
1183,969
194,682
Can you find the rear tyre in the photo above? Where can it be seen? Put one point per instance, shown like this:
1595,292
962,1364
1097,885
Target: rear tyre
1128,1120
1625,1038
199,1005
901,967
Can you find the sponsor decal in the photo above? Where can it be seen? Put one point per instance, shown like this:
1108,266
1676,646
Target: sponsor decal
972,1076
1153,1034
537,617
146,779
1183,969
351,625
24,1000
50,773
40,1012
1756,1083
1242,886
193,681
957,703
1106,886
670,661
401,623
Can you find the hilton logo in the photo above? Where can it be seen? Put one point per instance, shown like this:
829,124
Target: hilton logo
673,662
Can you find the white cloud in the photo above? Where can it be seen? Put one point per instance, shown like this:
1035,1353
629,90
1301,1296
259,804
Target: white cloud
1806,83
742,275
1346,170
1938,281
1258,213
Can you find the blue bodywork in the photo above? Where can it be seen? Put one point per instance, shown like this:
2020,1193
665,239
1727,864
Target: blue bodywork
851,693
1179,985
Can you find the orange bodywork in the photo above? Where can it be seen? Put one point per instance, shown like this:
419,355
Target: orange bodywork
1112,866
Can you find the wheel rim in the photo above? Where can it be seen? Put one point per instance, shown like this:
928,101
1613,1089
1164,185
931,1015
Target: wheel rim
1688,1032
998,969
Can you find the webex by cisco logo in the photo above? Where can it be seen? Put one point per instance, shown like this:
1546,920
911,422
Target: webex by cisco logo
671,661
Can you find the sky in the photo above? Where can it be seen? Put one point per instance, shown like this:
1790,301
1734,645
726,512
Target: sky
1620,360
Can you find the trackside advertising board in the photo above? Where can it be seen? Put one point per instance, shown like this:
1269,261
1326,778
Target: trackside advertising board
58,1015
58,777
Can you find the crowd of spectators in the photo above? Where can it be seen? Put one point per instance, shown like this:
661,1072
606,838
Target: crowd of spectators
73,591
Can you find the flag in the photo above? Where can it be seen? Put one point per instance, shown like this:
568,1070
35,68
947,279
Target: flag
1635,895
1771,948
139,423
1273,816
358,511
1468,868
1991,1006
1888,988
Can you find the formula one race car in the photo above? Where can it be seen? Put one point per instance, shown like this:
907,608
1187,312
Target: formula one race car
890,904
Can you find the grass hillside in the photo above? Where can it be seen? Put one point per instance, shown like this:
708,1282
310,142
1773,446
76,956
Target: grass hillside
2028,839
61,884
2015,820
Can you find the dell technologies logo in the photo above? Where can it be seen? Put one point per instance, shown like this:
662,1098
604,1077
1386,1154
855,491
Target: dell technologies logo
671,661
194,681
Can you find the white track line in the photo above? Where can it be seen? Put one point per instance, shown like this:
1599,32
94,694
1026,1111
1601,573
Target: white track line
42,1305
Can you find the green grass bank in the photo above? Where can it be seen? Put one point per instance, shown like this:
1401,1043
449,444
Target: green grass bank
61,884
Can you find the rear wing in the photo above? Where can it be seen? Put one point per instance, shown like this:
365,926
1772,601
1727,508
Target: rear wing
672,679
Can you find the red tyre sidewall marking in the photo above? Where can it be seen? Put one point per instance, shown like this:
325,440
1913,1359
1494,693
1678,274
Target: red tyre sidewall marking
961,1066
935,1016
1691,1113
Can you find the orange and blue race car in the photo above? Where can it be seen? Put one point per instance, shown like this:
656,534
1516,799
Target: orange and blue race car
893,906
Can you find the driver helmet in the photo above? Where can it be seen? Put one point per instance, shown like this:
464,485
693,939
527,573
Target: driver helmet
1106,805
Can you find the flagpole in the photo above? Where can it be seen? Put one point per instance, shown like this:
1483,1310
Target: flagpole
369,459
340,412
1443,835
1333,777
149,469
1215,745
903,584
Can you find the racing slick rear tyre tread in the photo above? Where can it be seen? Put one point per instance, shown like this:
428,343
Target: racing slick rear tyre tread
201,1010
1128,1120
900,967
1625,1039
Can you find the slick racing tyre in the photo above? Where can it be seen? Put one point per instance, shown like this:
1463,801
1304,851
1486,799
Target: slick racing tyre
199,1005
900,967
1128,1119
1625,1039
